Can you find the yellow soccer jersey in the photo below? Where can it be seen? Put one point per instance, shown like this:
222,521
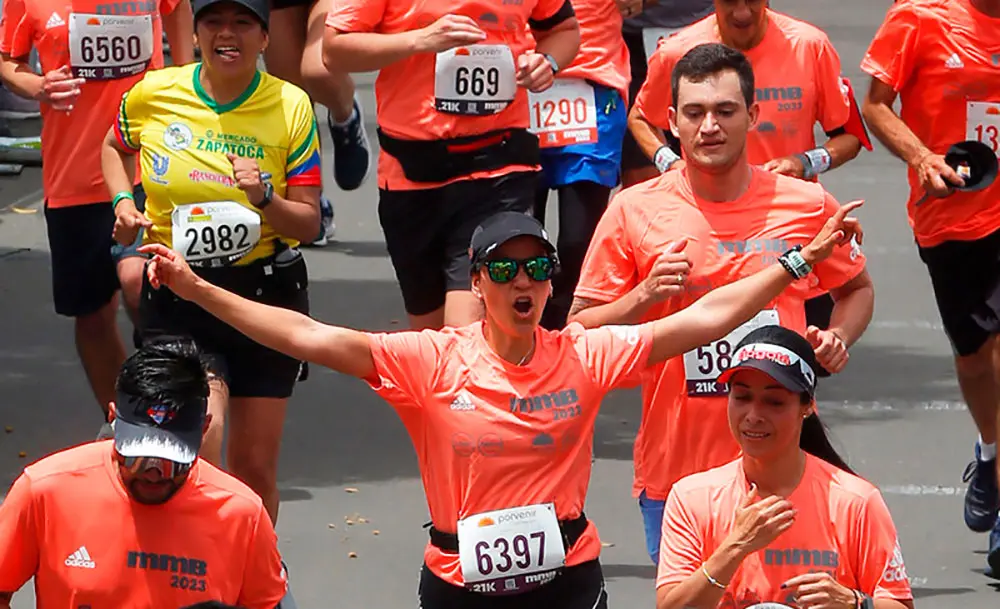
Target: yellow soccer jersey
183,138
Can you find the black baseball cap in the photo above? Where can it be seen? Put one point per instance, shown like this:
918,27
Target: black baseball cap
782,354
156,430
975,162
501,228
260,8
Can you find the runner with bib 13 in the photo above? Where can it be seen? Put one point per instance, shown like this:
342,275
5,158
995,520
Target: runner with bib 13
501,412
452,95
230,159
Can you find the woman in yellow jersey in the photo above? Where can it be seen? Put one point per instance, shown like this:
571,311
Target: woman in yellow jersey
787,524
231,167
501,412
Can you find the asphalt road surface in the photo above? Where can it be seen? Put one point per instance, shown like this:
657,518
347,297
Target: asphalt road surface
896,412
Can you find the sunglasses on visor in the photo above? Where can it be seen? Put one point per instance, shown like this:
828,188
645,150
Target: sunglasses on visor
166,467
504,270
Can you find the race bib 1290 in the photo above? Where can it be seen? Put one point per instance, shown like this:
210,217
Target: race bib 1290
218,233
564,114
512,550
477,80
108,47
704,364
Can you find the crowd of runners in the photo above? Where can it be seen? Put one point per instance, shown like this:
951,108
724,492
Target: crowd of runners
698,256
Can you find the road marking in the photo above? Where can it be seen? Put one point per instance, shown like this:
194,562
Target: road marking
910,324
913,490
893,406
34,198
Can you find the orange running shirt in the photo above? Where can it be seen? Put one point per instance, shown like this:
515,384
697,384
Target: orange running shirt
490,435
128,35
69,523
843,528
796,74
603,56
684,426
405,90
943,58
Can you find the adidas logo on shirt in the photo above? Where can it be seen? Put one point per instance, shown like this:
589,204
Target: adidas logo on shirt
54,21
80,558
954,62
462,403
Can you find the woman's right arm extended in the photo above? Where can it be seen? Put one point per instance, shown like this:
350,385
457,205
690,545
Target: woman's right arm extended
296,335
368,51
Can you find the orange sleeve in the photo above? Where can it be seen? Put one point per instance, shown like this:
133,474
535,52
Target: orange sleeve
617,355
405,365
881,572
833,107
682,548
546,9
356,15
846,262
264,581
16,33
891,56
655,95
168,6
609,268
18,537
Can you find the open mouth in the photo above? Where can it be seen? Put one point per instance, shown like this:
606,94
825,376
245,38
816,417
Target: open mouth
755,435
523,306
229,53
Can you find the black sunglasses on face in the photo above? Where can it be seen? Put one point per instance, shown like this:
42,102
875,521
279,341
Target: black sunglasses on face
504,270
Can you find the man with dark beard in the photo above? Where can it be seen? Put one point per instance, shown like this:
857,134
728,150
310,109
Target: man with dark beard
140,521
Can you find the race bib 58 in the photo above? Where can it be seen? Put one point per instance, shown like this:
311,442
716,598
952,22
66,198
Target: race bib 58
704,364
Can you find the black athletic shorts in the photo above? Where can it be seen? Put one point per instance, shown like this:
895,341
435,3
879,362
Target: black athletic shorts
249,369
966,280
84,256
427,232
577,587
632,155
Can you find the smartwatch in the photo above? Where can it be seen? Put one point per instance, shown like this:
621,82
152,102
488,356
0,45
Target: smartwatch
268,196
794,263
552,62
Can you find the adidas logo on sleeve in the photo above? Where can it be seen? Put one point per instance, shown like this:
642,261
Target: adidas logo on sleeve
80,558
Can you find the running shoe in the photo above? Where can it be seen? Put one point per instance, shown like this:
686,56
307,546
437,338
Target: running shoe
15,107
327,225
981,498
993,557
351,150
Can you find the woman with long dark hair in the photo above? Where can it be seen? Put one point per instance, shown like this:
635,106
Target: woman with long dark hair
787,522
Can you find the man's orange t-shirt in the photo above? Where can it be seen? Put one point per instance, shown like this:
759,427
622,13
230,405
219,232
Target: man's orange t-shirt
796,75
603,56
69,523
842,527
84,34
943,58
490,435
684,424
406,92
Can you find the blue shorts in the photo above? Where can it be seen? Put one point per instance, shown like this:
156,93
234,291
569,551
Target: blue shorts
598,162
652,520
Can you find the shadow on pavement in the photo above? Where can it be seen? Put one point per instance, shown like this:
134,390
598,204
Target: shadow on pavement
919,593
617,571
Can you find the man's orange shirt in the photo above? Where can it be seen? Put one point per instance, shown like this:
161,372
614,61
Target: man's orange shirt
490,435
603,56
943,58
406,91
84,34
684,426
796,75
842,527
69,523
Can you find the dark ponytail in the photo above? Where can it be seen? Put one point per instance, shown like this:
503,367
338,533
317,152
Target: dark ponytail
815,441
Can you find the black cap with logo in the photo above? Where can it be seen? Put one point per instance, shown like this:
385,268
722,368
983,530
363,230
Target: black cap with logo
501,228
260,8
780,353
158,430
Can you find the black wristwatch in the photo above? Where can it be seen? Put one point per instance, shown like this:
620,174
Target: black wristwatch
867,602
552,62
268,196
794,263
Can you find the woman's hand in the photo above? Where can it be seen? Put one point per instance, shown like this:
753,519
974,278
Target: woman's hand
168,268
759,522
819,591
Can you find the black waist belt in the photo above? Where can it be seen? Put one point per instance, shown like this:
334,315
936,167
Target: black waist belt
445,159
571,532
